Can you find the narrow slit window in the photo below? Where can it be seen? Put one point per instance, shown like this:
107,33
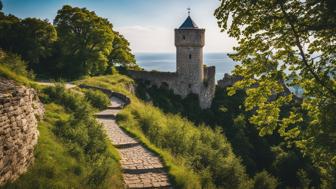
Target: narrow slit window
189,56
183,37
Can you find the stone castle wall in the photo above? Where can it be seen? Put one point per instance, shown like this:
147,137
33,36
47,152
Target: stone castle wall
20,110
191,75
228,80
179,85
207,92
154,77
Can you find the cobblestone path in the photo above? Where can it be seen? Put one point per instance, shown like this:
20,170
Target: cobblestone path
141,168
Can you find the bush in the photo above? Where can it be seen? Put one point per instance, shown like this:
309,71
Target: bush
87,142
15,64
203,150
97,98
196,157
263,180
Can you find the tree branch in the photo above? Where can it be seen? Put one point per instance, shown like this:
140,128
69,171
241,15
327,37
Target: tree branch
302,54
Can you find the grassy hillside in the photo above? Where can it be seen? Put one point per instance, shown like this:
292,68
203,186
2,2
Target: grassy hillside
72,150
196,156
58,164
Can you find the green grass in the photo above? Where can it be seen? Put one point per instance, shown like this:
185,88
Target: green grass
97,98
54,166
196,156
9,74
115,82
72,151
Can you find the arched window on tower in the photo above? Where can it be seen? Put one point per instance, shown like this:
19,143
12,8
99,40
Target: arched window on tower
183,37
189,56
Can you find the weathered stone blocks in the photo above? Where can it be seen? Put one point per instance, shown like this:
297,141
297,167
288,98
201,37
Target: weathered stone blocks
20,110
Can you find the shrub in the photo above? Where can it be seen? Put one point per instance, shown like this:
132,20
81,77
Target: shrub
263,180
196,157
88,143
15,64
203,150
97,98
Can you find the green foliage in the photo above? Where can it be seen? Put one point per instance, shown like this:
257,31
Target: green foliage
12,67
227,112
31,38
115,82
85,41
170,102
203,150
263,180
97,98
84,140
80,43
14,63
194,156
290,41
121,52
60,163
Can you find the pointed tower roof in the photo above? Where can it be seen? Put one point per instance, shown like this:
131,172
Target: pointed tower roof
188,24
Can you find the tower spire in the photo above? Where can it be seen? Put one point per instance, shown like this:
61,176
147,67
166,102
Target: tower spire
188,11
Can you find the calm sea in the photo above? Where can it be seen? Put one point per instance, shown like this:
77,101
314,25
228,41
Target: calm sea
167,62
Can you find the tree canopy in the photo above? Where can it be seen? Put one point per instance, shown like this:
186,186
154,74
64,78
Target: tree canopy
79,43
85,40
293,42
32,38
121,53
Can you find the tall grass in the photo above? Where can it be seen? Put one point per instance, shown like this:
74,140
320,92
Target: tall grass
204,152
97,98
196,156
13,67
6,72
72,151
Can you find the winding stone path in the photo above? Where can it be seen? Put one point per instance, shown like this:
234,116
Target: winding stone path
141,168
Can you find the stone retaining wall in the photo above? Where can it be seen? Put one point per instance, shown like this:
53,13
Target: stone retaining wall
20,110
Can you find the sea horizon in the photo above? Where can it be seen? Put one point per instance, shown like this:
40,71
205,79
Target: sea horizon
166,62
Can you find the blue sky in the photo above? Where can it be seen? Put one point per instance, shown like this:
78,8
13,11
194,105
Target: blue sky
147,24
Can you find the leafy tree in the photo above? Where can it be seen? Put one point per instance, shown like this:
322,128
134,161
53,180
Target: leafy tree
37,39
292,41
121,53
8,31
85,40
14,63
263,180
32,38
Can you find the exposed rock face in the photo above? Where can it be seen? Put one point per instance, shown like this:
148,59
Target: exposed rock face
20,110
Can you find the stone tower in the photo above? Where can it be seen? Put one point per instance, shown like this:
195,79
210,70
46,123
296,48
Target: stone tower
191,75
189,42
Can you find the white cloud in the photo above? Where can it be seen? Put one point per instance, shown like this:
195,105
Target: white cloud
148,38
160,39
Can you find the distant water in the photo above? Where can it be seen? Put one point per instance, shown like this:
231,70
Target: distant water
167,62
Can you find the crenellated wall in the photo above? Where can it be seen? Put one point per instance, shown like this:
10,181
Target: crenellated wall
20,110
